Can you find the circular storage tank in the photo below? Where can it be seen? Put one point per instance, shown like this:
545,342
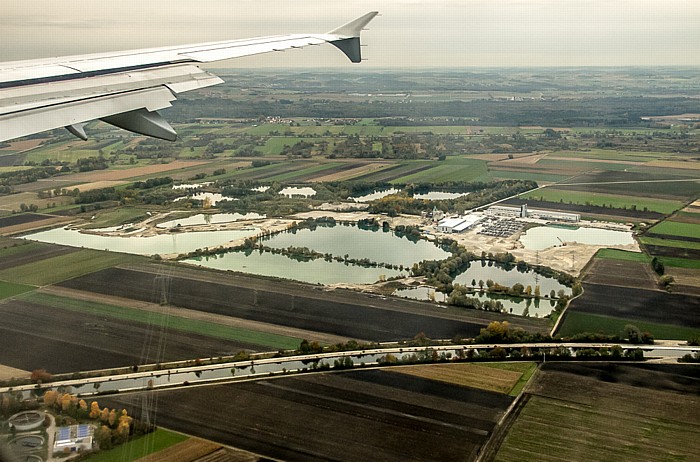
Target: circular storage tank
27,420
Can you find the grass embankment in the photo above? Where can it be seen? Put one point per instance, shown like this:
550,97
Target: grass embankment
162,319
507,378
577,322
601,199
62,267
133,450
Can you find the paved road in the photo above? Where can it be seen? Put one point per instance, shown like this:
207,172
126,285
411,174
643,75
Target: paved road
257,368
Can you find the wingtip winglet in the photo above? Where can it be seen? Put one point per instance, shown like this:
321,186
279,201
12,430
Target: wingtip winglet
353,28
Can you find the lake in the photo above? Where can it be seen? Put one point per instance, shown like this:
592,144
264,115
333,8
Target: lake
161,244
543,237
374,195
439,195
209,219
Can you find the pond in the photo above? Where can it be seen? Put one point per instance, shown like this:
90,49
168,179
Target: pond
374,195
192,185
213,198
316,271
339,241
439,195
161,244
209,219
519,306
543,237
479,270
294,191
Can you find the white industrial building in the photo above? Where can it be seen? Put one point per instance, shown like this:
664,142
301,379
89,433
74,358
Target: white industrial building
523,212
459,224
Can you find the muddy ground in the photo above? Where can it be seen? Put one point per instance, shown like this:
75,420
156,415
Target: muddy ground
644,305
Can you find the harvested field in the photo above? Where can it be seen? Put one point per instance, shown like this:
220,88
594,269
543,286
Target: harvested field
466,375
603,412
636,304
13,202
687,280
365,415
186,451
35,336
99,185
622,273
343,313
116,175
7,373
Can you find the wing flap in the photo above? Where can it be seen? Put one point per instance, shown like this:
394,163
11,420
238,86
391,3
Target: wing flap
74,112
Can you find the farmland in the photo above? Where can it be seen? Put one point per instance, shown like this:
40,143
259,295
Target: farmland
343,313
497,377
636,305
381,409
68,309
607,412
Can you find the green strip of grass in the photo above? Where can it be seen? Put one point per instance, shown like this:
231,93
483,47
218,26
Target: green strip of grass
527,369
615,254
19,247
669,243
577,322
205,328
9,289
680,262
62,267
140,447
674,228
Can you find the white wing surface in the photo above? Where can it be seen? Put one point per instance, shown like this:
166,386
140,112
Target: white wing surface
127,88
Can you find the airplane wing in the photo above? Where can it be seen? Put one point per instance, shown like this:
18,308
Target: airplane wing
127,88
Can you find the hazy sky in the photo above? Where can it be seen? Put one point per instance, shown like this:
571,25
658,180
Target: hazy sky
438,33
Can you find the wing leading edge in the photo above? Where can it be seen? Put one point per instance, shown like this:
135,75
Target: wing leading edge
127,88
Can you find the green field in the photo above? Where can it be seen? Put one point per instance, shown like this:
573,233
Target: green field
614,254
670,243
140,447
209,329
680,262
8,289
62,267
519,175
550,429
674,228
117,216
577,322
608,200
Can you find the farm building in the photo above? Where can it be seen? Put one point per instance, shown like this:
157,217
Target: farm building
73,438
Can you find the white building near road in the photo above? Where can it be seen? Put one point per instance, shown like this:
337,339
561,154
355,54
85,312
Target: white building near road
458,225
